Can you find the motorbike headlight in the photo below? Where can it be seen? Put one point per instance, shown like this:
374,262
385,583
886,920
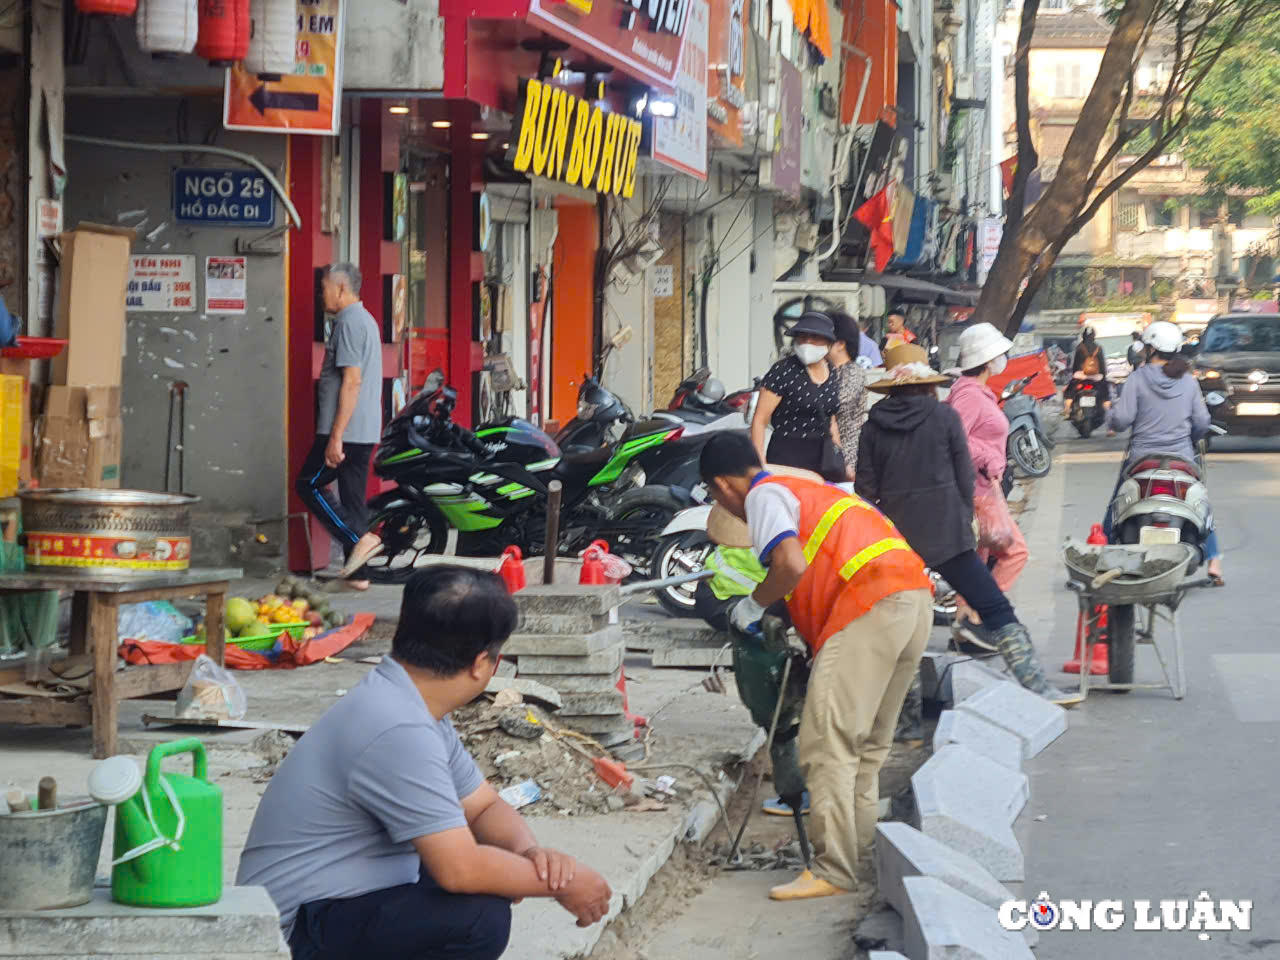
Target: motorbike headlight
1208,375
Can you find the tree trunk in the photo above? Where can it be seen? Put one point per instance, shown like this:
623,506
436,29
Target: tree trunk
1035,240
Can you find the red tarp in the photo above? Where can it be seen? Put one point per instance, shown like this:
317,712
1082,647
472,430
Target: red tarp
1038,363
288,653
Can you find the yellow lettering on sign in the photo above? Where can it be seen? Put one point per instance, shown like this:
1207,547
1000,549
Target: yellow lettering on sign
540,144
633,155
528,125
555,164
591,148
577,147
607,151
620,160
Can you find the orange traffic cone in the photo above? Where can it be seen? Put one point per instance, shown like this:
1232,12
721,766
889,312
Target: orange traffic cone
511,570
592,566
1097,658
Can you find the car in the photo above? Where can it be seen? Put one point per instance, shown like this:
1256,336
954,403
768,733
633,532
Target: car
1238,366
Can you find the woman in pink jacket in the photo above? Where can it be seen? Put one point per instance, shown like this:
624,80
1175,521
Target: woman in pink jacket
984,352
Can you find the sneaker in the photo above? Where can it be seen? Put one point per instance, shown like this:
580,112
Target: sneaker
974,634
777,808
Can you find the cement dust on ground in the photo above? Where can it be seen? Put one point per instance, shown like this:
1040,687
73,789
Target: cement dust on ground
692,911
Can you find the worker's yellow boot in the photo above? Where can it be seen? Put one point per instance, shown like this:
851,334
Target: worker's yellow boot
806,887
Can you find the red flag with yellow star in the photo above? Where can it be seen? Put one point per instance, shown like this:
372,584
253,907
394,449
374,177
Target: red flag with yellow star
1007,170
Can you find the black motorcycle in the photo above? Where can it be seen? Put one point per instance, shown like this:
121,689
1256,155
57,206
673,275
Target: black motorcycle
602,418
491,486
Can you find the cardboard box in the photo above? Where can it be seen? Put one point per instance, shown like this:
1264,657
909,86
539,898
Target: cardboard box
81,437
90,314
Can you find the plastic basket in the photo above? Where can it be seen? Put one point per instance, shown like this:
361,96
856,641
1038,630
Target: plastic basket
262,641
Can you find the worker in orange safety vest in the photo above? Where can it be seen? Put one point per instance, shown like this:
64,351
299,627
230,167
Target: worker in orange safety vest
861,599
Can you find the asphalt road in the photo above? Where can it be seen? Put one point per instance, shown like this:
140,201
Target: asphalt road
1147,798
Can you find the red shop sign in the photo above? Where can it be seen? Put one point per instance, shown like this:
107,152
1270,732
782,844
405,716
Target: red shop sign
642,38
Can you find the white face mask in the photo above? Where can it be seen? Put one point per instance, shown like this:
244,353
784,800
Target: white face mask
810,353
997,365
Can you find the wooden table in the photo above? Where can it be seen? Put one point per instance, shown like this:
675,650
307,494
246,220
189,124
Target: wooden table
95,603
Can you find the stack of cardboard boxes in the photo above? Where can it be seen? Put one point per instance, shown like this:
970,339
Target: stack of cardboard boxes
81,432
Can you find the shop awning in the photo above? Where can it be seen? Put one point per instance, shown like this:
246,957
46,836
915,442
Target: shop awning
908,289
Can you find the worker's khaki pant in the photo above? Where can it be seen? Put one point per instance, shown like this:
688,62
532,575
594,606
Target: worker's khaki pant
860,678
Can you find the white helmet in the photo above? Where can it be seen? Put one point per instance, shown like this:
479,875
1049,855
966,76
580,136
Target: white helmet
1163,336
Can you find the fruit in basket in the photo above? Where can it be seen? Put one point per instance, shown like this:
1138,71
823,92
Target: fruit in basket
256,629
301,605
239,614
284,614
314,619
270,602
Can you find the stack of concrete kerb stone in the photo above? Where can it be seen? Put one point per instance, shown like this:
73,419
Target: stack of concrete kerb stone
569,639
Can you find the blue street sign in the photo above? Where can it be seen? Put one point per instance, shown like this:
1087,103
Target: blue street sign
223,198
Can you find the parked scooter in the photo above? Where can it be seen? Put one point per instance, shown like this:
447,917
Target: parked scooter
1028,447
703,393
1087,412
1162,500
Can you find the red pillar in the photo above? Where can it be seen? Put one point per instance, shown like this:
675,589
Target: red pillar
309,249
462,256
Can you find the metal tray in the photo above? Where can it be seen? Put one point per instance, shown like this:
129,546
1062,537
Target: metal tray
1127,589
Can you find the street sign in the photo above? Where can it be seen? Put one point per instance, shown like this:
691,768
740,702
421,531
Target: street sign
223,198
309,100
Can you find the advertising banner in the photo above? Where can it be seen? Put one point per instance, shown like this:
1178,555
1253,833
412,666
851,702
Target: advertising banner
681,141
727,69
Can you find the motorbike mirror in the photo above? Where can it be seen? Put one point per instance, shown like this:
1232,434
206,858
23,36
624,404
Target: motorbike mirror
435,380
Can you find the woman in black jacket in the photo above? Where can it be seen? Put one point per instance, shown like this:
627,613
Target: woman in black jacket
913,463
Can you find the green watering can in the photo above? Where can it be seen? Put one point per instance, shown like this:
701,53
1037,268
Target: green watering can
168,839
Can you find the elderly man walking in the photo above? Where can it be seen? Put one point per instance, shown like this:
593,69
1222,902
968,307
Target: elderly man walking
348,414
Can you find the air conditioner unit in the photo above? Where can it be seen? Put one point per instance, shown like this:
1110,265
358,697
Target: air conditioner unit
964,86
630,268
855,299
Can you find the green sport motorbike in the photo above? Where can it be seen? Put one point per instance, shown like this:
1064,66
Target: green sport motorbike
490,485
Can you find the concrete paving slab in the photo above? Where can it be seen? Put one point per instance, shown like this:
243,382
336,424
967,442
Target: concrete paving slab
244,921
564,623
577,704
606,661
944,923
562,644
1036,721
980,736
969,803
885,955
584,683
695,657
653,635
567,598
967,677
902,851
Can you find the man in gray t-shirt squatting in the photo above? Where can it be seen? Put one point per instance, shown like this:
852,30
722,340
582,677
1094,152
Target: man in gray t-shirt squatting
348,412
378,837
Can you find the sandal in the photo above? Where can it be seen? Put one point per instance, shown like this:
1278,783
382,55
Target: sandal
1215,579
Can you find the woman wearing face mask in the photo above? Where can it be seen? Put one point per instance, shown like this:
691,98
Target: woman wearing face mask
983,354
799,397
851,384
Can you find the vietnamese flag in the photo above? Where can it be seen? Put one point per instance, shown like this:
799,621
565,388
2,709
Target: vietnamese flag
876,216
1007,170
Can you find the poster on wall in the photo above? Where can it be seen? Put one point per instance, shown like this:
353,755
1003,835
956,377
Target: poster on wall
727,69
681,141
164,284
225,282
789,129
309,100
399,306
537,310
991,230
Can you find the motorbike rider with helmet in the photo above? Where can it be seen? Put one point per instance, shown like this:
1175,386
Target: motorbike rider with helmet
1088,363
1166,412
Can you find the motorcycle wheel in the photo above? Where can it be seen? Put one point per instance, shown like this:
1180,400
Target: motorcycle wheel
1120,641
1033,460
407,537
1083,425
675,555
637,518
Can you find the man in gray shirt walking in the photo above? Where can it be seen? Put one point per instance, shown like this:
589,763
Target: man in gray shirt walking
348,415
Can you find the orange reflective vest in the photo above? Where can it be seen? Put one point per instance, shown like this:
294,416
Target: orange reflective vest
856,558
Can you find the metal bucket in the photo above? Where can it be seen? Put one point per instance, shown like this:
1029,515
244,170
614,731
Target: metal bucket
48,858
1131,589
107,531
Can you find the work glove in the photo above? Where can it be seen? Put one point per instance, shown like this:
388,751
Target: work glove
746,615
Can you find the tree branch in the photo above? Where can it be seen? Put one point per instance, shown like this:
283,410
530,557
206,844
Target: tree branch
1028,159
